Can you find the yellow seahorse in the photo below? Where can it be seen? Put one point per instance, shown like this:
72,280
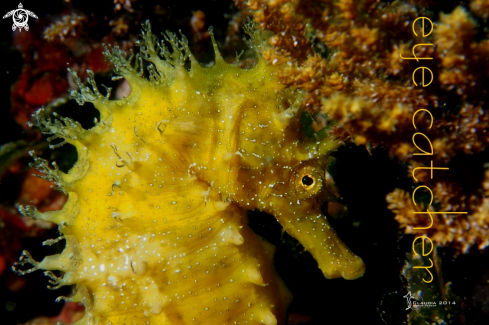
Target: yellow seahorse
155,221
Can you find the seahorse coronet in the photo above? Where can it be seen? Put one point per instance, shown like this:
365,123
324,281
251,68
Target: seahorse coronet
155,221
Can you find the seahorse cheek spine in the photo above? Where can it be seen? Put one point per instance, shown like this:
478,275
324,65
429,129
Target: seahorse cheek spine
155,225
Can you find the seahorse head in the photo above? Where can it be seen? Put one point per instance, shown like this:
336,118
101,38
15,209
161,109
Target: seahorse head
278,171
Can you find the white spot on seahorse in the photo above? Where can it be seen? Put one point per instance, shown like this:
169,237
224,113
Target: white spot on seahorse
189,167
229,155
112,280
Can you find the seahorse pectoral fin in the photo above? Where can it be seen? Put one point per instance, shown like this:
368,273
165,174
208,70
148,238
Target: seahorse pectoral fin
334,258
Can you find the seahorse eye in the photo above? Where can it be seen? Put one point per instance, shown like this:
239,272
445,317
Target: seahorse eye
308,181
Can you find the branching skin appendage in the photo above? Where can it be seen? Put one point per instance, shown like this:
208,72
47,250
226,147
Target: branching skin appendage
155,222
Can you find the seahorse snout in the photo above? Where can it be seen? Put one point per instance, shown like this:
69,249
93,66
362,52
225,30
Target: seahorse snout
313,231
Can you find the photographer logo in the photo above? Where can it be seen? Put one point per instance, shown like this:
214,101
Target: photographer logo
20,17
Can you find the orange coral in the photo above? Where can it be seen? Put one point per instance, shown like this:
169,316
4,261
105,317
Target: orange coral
458,229
480,8
65,26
